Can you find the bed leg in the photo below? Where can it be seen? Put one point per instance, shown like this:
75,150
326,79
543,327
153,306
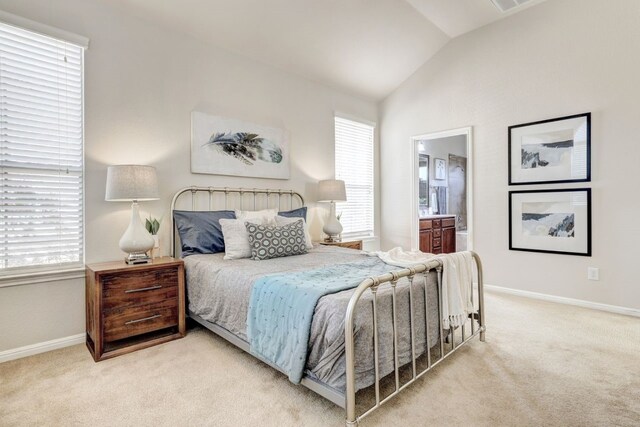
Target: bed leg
481,318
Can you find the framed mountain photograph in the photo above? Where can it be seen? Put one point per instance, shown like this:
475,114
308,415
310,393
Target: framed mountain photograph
551,221
551,151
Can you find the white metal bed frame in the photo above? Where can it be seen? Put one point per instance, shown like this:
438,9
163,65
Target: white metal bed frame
347,400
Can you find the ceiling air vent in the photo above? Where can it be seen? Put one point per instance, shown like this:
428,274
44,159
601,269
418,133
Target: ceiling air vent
506,5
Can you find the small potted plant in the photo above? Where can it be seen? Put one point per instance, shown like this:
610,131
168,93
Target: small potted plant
153,225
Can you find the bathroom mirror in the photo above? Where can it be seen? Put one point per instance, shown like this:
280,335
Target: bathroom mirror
423,182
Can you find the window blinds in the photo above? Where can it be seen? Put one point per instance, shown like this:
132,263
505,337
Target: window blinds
354,165
41,143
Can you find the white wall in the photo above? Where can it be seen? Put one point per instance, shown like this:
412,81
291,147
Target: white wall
142,82
558,58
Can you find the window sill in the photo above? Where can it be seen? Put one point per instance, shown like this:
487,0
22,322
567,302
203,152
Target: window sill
365,238
34,277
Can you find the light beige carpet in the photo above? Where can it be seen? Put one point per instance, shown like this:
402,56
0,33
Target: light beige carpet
543,364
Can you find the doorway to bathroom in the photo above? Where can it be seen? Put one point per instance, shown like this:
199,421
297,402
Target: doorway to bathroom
442,191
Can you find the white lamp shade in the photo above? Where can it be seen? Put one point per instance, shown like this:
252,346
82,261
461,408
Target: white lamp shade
332,190
126,183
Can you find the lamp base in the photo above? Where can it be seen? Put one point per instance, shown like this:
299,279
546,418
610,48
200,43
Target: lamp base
137,258
332,227
136,240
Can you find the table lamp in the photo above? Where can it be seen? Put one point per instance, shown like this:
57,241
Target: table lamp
133,183
332,191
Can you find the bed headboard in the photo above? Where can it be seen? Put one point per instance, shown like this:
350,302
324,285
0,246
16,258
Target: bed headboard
218,198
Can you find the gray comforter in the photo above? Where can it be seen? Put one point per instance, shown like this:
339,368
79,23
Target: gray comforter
219,292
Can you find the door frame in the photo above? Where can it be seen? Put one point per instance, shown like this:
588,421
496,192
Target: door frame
415,225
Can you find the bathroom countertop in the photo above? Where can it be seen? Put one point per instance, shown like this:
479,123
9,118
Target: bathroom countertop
437,216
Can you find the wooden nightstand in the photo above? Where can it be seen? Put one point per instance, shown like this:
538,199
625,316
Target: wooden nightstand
351,244
129,307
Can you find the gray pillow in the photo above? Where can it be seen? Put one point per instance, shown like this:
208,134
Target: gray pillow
200,231
295,213
270,241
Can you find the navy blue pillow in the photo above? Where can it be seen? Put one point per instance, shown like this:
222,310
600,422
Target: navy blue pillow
295,213
200,232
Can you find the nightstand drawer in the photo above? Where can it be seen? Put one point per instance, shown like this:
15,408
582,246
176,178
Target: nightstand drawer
124,323
127,290
133,280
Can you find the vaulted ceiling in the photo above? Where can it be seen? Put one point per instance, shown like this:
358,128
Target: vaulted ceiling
364,47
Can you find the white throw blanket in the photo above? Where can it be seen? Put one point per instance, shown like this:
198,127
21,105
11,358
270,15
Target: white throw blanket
457,276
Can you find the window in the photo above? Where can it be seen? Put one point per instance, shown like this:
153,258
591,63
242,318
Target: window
41,158
354,165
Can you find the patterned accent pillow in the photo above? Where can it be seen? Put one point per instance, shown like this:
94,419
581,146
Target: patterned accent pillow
269,241
283,220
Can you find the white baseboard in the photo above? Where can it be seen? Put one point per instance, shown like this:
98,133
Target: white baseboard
30,350
569,301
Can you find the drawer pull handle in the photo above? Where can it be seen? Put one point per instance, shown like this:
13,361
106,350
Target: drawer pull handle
144,319
150,288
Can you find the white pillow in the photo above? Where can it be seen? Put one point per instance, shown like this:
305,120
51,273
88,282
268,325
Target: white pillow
282,220
236,237
265,216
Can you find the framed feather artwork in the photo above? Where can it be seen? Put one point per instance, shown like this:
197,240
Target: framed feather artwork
222,146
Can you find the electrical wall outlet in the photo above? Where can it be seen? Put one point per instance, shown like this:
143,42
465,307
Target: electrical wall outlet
593,273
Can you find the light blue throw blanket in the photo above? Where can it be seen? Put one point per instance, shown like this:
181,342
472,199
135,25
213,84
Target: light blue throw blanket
281,309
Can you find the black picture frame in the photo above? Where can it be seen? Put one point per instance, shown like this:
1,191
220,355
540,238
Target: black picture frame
571,205
572,164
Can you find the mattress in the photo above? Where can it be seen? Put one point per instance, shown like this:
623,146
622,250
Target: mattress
218,291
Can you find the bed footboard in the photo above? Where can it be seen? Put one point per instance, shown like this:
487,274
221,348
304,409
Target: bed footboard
391,279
